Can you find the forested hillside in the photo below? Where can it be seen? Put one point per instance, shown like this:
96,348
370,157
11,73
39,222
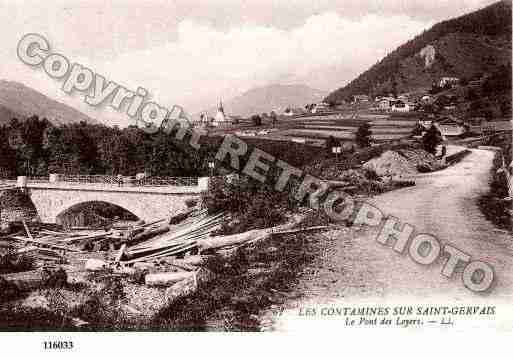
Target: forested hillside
37,147
464,47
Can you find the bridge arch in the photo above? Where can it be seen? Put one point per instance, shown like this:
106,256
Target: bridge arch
65,203
93,213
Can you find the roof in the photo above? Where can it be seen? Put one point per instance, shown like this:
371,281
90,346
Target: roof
449,121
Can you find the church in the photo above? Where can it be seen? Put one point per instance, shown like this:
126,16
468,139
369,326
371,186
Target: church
220,118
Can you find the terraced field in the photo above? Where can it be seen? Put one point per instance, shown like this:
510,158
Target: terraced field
317,128
383,127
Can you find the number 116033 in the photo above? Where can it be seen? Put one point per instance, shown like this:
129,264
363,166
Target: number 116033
58,345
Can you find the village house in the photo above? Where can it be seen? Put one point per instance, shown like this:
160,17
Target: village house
403,97
321,107
297,111
475,84
444,81
385,103
360,98
426,123
401,106
425,99
451,127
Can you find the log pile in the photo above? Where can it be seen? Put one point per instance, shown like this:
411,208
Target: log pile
169,253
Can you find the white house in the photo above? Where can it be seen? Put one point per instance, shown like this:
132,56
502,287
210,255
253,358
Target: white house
361,98
321,107
426,99
448,81
401,106
450,127
294,111
385,103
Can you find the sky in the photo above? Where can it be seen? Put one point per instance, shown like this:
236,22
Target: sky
193,53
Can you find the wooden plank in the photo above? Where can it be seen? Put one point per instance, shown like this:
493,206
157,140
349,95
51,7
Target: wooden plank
120,253
90,237
316,228
45,244
27,230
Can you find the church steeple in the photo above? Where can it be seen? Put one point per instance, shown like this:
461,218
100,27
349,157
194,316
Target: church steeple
220,106
220,116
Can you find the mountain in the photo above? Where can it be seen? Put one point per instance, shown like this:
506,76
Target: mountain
20,101
464,47
271,97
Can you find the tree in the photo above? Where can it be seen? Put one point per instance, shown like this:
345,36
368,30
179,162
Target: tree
274,118
394,88
257,120
499,81
7,157
432,138
417,130
363,135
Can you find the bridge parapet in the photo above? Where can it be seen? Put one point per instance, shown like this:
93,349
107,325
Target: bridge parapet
102,182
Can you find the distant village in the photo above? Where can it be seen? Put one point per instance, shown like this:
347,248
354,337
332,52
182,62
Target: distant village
440,105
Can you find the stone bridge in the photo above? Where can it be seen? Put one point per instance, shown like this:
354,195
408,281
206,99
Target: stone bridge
147,201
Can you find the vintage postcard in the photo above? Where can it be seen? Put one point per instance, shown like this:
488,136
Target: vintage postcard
254,166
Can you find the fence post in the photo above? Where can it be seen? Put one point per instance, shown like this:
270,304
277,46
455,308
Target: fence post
203,183
509,179
21,182
54,177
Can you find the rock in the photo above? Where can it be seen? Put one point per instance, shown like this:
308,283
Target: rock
193,260
167,278
36,300
95,265
189,285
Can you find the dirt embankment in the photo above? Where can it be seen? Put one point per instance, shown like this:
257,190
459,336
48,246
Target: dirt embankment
403,163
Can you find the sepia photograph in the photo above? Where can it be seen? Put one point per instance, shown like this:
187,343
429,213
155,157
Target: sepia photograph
255,166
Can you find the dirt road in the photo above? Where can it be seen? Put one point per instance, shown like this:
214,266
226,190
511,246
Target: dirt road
357,268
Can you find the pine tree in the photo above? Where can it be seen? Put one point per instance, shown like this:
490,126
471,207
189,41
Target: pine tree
432,138
363,135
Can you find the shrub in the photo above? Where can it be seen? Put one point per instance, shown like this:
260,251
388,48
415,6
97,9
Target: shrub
8,290
251,204
54,278
11,262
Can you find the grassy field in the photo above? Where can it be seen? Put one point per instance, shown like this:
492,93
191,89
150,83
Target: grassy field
318,127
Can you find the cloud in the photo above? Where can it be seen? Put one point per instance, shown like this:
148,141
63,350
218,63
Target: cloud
204,63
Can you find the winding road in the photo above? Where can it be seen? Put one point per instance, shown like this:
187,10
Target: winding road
355,268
